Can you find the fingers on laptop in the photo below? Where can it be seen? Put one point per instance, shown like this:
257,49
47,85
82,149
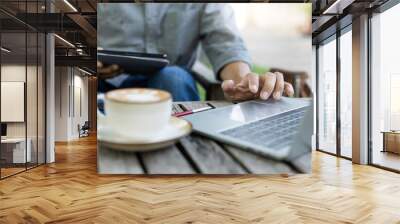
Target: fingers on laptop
254,86
279,85
288,89
275,86
236,92
228,86
250,82
269,80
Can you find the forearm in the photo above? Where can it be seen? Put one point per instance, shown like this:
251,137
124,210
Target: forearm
235,71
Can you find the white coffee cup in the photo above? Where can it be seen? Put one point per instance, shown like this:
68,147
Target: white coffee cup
136,112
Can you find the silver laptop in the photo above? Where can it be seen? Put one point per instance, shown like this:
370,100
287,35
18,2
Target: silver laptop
278,129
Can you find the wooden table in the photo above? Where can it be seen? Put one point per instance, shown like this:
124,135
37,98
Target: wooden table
14,153
391,141
192,155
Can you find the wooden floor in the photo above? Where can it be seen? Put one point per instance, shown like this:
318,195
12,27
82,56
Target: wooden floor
70,191
387,159
10,171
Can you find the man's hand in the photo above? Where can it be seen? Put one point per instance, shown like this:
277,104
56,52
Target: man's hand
105,72
254,86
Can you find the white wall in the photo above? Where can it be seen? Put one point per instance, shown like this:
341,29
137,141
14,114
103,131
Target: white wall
71,102
16,73
80,109
62,81
33,126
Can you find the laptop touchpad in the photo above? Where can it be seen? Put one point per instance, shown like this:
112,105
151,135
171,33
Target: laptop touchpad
235,115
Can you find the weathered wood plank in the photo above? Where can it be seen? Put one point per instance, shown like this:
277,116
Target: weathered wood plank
258,164
166,161
111,161
209,157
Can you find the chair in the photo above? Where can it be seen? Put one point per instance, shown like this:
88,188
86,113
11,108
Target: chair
84,129
206,78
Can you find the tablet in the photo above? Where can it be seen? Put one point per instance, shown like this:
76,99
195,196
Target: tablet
134,62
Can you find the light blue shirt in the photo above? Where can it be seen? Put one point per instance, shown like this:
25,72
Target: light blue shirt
175,29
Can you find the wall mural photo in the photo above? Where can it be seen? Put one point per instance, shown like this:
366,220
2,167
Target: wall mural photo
204,88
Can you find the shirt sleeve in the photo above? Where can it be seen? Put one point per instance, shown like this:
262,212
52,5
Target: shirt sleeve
220,36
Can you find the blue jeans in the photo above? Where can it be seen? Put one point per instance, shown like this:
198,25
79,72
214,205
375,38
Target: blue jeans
176,80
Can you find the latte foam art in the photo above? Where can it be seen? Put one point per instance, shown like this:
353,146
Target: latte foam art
144,97
137,95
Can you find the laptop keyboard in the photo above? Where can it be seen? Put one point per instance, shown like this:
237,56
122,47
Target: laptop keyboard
273,132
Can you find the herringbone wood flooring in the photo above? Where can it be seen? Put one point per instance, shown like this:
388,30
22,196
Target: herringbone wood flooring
70,191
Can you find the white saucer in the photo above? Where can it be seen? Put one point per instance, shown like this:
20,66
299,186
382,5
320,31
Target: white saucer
176,128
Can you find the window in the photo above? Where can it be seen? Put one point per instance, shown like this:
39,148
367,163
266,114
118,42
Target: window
346,94
327,97
22,78
385,88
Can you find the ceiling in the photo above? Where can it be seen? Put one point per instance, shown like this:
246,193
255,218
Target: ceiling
74,21
331,15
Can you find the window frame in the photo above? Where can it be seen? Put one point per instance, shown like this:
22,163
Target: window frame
378,10
334,37
27,29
